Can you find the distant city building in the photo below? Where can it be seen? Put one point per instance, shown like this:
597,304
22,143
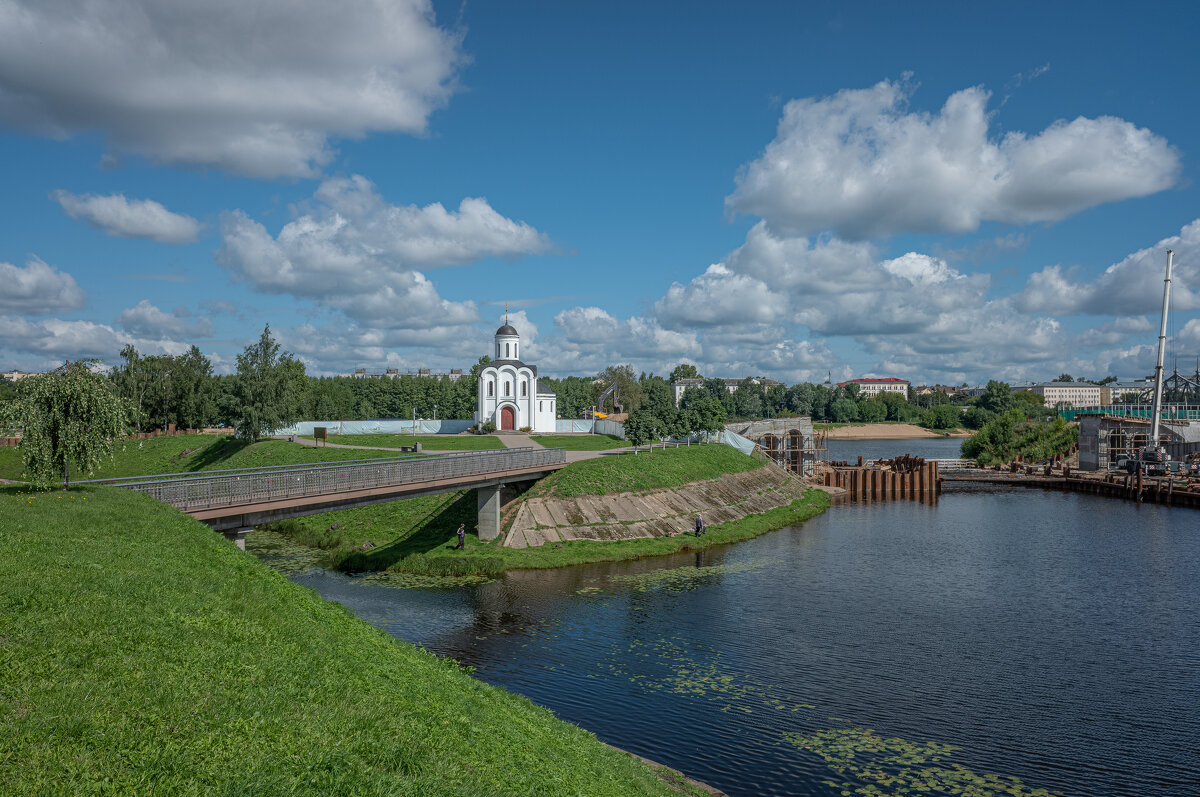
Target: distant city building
681,385
928,390
16,376
510,394
1074,394
874,386
454,375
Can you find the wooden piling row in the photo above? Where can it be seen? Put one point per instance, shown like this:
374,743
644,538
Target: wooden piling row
879,484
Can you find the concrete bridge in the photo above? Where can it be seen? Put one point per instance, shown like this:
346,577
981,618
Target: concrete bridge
233,502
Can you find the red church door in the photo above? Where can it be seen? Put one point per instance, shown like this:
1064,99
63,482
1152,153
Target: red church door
507,419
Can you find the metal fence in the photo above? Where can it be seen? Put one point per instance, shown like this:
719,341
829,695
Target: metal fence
212,490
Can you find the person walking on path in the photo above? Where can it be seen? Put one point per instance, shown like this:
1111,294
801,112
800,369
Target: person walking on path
462,537
699,526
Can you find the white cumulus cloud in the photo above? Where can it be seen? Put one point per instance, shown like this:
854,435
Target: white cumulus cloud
351,250
254,88
862,165
1134,285
37,289
146,320
125,218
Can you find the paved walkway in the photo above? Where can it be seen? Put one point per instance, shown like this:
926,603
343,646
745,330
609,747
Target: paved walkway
511,440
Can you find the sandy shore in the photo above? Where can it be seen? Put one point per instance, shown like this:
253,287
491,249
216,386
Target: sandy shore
886,431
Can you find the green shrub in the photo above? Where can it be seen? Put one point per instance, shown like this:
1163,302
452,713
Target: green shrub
1006,436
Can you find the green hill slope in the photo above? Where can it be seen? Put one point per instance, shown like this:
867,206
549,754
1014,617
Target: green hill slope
142,653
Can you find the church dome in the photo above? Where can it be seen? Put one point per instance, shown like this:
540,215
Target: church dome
507,329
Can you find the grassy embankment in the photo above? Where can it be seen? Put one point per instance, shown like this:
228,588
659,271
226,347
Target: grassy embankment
417,535
140,653
196,452
441,442
580,442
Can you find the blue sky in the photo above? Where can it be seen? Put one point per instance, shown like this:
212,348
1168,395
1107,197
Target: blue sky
948,194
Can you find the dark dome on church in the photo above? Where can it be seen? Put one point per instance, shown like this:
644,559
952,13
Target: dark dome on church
507,329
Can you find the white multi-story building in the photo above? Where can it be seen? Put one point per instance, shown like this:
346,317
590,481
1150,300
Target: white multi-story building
1074,394
510,394
874,386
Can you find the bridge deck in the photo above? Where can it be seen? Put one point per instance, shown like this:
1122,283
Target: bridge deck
301,489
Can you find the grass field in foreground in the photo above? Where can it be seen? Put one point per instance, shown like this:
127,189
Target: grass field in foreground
622,473
187,453
141,653
580,442
440,442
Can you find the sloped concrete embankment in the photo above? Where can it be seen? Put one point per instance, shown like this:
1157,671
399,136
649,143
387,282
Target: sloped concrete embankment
653,513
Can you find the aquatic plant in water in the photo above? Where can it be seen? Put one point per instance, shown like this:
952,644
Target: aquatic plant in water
388,578
281,553
681,578
894,766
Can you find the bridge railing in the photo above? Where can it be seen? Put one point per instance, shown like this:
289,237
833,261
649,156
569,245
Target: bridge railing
209,491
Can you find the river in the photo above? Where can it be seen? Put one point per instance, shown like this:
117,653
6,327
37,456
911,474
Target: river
1044,636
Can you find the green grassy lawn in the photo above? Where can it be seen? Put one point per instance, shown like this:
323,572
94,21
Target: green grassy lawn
141,653
622,473
397,528
189,453
580,442
440,442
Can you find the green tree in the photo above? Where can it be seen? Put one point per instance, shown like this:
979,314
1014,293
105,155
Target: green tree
976,417
1064,378
844,410
997,397
684,371
943,416
643,427
872,410
194,387
658,396
704,414
1028,397
69,416
264,392
627,387
132,381
800,399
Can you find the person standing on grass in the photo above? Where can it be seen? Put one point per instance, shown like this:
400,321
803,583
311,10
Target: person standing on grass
699,526
462,537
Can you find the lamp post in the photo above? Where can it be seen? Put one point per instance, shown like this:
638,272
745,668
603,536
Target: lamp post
435,413
414,422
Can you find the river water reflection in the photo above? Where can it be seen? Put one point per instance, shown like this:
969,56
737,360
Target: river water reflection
1049,637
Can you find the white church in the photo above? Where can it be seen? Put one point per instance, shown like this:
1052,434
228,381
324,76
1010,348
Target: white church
510,394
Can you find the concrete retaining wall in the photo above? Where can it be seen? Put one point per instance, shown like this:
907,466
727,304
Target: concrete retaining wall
653,513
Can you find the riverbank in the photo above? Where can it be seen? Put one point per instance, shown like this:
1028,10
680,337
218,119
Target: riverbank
885,431
143,653
611,497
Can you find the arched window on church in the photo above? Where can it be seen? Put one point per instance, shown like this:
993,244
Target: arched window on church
515,350
539,406
506,386
490,394
506,345
523,393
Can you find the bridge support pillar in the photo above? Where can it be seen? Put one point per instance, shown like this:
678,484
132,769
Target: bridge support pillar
238,536
489,511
